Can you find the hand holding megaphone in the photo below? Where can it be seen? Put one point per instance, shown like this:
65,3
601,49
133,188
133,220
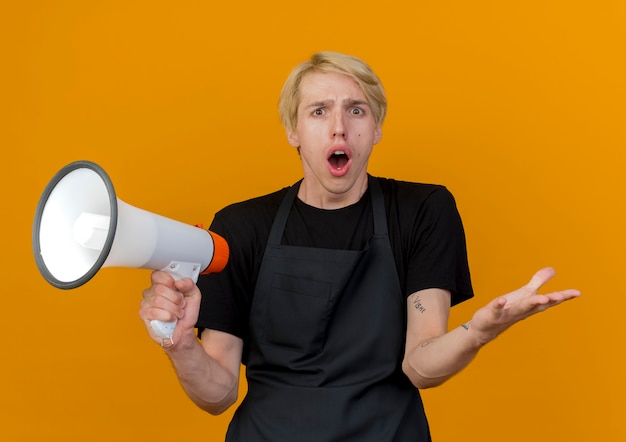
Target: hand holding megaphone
81,226
168,297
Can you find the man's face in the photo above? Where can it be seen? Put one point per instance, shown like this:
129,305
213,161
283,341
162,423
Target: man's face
336,132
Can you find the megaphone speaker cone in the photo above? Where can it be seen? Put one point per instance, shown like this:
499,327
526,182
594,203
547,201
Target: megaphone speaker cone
79,188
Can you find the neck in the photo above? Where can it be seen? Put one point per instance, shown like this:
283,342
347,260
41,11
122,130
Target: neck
331,196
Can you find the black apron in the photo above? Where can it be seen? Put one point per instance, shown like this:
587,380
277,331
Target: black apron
327,335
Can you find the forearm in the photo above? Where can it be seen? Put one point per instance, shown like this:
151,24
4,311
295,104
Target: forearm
208,384
432,362
433,356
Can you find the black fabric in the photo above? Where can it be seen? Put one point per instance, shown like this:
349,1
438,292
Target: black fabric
327,334
425,231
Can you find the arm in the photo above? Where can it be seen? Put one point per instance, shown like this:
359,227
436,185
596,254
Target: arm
208,370
433,355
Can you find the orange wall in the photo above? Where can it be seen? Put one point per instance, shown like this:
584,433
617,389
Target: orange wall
518,107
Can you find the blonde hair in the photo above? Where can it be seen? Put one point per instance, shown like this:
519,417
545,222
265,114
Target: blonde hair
326,62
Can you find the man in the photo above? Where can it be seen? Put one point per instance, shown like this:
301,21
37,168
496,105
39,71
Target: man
338,289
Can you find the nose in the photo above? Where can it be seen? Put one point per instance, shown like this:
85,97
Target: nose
339,129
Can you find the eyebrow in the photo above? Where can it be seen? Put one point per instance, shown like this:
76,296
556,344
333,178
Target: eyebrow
347,101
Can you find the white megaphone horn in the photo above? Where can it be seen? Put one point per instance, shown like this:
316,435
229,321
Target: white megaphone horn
81,226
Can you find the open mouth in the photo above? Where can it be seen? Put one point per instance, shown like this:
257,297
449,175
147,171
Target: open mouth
338,159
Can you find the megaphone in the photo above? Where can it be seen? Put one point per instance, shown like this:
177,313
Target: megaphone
81,226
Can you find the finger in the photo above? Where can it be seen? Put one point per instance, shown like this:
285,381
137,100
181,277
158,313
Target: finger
159,314
544,302
497,307
563,295
185,285
161,277
571,293
160,308
172,303
151,312
191,293
540,278
160,297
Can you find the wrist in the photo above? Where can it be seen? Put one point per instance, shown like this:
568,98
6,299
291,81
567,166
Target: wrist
180,342
477,338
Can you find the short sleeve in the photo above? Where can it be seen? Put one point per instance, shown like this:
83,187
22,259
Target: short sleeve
437,251
223,304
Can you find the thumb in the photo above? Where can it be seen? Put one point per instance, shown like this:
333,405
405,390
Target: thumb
497,307
540,278
185,285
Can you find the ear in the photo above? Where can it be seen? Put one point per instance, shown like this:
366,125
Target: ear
378,134
292,138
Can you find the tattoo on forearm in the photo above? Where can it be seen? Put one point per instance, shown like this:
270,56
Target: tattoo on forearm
466,326
417,302
430,341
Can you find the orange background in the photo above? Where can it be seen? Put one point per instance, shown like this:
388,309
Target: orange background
518,107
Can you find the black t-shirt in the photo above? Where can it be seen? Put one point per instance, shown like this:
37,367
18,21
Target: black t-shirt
425,231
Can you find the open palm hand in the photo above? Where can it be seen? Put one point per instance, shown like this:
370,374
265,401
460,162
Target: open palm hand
506,310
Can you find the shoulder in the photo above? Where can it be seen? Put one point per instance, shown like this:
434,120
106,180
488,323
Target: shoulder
415,197
426,232
257,206
419,212
248,222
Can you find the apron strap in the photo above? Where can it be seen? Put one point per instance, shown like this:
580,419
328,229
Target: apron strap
278,227
378,206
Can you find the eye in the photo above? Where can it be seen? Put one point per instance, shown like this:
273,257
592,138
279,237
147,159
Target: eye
356,111
318,112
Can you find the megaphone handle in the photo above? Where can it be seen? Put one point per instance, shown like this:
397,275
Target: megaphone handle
179,270
164,330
